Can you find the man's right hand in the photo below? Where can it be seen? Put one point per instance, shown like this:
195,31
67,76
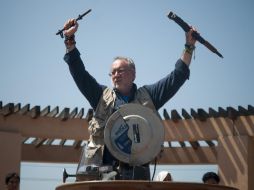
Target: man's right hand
71,26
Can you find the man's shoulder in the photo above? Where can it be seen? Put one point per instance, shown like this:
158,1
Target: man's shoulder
108,93
105,88
143,91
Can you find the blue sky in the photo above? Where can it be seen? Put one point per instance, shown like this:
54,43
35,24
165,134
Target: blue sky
33,71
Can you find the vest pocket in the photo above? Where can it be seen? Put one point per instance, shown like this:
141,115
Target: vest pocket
93,155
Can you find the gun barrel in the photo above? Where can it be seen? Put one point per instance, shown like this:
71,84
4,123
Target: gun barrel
196,35
81,16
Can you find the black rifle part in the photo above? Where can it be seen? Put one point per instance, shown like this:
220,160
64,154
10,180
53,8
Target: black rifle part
196,35
79,18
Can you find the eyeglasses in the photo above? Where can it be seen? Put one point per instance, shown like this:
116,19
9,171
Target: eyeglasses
119,71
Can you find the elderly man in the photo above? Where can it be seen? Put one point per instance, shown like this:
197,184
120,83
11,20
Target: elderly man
106,101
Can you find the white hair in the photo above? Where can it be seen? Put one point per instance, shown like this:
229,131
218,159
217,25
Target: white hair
128,60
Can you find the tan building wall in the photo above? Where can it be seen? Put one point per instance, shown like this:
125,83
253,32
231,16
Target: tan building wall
10,148
236,161
233,130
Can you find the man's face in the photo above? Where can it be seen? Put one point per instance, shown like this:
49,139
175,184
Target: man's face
122,76
211,181
13,184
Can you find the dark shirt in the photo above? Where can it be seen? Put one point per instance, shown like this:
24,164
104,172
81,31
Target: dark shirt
160,92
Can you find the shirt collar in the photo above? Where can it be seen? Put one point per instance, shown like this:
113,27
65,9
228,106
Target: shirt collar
133,91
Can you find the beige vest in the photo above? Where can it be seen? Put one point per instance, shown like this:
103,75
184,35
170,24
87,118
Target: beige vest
105,107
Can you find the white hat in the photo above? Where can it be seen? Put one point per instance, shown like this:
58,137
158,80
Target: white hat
161,176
